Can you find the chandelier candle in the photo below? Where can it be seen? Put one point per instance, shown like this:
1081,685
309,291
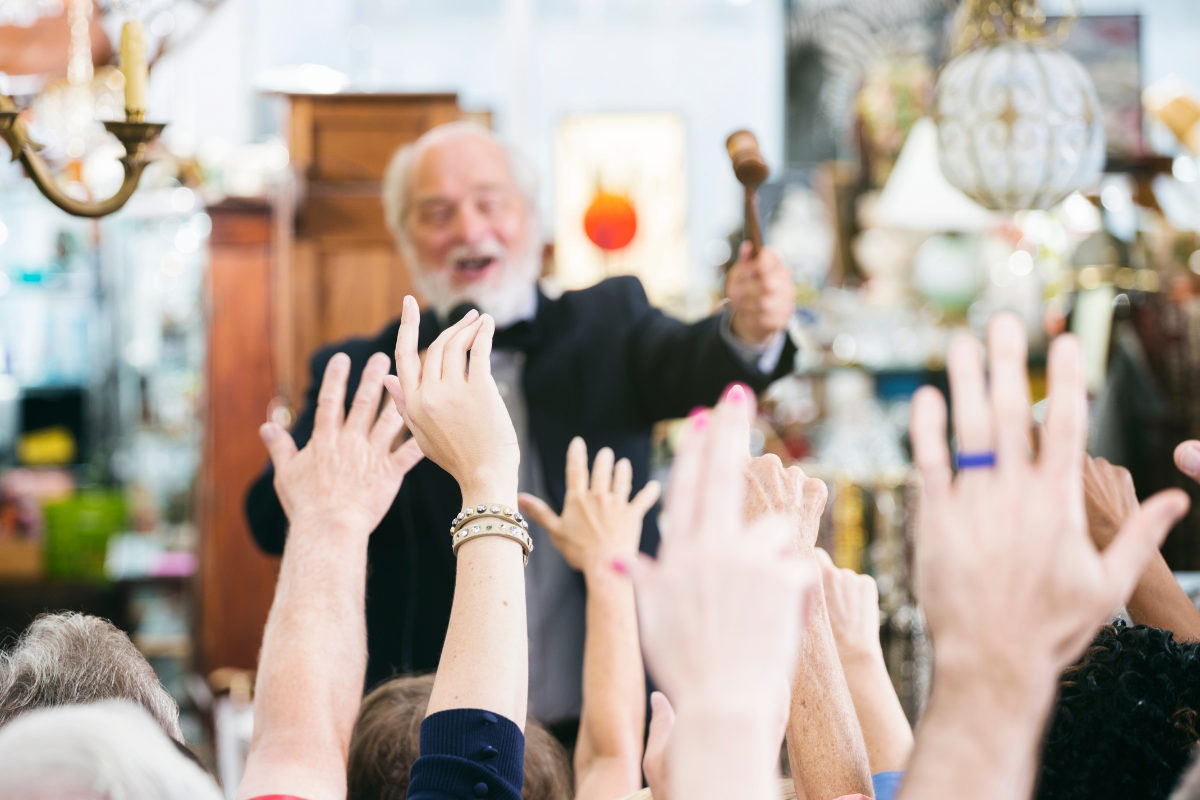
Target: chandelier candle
133,67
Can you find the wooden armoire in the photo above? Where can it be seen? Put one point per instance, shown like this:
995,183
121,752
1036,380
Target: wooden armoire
337,270
312,264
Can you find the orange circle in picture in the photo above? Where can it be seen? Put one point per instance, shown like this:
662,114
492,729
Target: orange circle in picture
610,221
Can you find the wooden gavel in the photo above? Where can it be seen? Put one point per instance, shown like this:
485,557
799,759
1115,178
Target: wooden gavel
751,170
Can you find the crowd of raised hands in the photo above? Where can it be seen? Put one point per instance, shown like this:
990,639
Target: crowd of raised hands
750,634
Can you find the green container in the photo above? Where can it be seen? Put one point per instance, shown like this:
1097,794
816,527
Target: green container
77,531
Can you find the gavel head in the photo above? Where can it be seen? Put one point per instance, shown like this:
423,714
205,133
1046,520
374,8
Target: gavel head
749,166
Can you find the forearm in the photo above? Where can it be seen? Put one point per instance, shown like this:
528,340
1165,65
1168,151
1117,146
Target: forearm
886,732
1159,601
979,737
311,668
608,755
825,743
485,659
717,753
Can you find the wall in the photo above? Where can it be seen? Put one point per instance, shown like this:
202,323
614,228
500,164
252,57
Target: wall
717,63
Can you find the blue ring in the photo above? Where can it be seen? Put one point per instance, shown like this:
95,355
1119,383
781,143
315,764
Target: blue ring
975,460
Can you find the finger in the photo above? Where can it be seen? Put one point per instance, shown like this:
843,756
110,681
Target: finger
392,384
927,430
387,427
434,367
968,397
644,500
1139,538
407,456
602,471
331,399
662,721
622,482
683,488
724,487
826,563
538,510
481,349
577,466
454,352
365,406
1066,411
280,445
408,363
1007,359
1187,458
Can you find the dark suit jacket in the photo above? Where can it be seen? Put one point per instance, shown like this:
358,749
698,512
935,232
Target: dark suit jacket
607,367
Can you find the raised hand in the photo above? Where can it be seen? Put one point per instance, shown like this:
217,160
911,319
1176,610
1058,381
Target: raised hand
720,608
1004,553
771,489
721,612
350,470
1012,584
1110,499
762,294
853,603
459,420
599,522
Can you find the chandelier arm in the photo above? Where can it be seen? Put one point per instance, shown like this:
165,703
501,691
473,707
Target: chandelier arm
133,135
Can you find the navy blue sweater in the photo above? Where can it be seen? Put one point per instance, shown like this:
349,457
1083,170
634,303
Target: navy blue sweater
468,754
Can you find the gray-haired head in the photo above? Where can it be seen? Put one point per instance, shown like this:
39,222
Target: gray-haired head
397,180
69,659
110,750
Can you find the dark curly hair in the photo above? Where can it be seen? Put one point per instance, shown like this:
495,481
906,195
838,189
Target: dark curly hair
1126,718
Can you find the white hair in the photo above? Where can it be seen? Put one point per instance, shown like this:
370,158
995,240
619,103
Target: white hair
69,659
112,750
504,302
397,179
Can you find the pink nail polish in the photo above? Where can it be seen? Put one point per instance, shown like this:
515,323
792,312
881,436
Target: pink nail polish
736,395
697,411
699,422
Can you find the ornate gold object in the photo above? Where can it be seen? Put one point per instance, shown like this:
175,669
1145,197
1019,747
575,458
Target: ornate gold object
134,135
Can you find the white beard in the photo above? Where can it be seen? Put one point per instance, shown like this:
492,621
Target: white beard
506,294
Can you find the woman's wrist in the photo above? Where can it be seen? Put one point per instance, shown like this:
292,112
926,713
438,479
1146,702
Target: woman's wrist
488,490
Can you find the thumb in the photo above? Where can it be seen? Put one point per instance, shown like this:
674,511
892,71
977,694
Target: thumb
662,721
644,500
537,510
408,455
1187,458
392,384
1140,537
280,445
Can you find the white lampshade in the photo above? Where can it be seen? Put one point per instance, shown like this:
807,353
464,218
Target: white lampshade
918,197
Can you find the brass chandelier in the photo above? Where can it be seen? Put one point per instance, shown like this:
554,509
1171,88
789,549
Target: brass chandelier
133,132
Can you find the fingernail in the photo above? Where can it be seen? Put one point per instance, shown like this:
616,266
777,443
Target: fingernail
697,411
735,395
657,701
699,421
1189,460
620,566
266,431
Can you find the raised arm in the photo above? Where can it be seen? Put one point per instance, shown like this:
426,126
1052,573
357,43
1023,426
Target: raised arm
720,611
853,604
599,530
471,739
1012,585
1158,600
314,654
825,743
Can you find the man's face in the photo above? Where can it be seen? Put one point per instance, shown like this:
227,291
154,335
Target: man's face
468,225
